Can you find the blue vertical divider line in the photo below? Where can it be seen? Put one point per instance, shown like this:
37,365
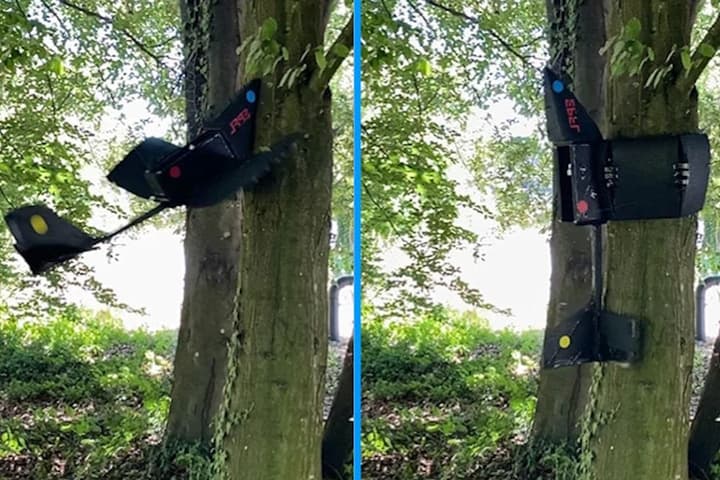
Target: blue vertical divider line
357,288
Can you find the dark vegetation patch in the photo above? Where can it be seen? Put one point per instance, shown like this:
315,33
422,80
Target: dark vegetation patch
83,398
447,398
80,397
444,397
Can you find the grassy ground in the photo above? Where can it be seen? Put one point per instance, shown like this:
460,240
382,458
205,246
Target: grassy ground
82,398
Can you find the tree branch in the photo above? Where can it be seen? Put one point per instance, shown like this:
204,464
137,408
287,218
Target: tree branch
109,21
490,32
322,77
60,21
417,10
700,61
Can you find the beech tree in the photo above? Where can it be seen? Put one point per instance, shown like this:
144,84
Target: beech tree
636,422
250,365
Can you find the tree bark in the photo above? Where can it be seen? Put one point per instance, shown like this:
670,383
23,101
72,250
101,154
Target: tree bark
638,426
562,393
337,444
705,430
213,234
270,423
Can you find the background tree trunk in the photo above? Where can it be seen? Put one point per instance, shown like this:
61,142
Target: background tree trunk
270,425
705,430
213,234
562,393
639,422
337,444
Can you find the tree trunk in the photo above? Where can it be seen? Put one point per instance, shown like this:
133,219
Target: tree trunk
270,423
337,444
562,393
639,421
705,430
213,234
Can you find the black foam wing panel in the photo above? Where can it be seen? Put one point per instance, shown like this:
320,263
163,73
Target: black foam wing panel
620,338
237,122
567,120
572,342
207,174
693,171
577,339
130,173
44,239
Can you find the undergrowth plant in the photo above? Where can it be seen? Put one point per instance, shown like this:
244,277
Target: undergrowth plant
442,392
83,398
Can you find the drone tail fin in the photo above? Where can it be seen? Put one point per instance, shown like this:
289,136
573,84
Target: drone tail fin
44,239
567,119
237,122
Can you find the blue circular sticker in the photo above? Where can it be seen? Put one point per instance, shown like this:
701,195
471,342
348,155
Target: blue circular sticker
558,86
250,96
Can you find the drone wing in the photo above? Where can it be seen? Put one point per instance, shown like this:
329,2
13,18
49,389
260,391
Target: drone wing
44,239
130,173
237,122
207,173
244,174
567,120
571,342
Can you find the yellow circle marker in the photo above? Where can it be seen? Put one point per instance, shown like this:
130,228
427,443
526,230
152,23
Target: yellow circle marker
38,224
564,341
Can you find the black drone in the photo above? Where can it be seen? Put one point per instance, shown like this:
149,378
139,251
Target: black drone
206,171
599,180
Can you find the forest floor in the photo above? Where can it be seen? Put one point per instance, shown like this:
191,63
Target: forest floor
82,398
447,398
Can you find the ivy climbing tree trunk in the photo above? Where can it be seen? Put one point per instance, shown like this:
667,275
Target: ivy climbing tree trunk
637,425
576,35
213,235
269,424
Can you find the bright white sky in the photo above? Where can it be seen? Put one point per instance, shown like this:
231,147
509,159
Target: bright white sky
515,273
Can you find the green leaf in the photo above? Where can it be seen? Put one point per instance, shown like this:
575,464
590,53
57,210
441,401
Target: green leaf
341,50
633,28
706,50
268,28
56,66
320,59
423,66
685,58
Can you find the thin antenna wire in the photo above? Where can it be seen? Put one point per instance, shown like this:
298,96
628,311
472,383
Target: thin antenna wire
150,213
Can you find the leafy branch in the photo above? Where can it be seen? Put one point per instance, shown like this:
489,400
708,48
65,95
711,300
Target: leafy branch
484,29
109,21
331,61
701,57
